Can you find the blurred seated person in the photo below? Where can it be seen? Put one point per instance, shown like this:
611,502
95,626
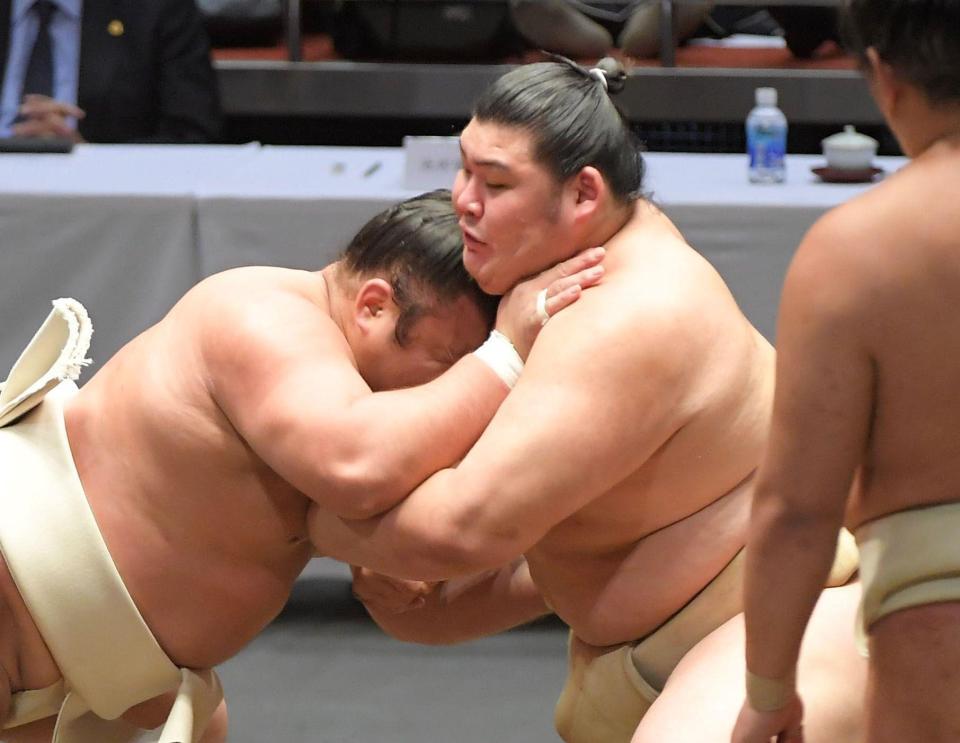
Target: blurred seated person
231,23
587,29
106,71
805,29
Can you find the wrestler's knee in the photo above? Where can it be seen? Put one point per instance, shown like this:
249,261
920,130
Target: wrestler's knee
40,731
604,696
5,694
701,698
832,673
151,713
216,730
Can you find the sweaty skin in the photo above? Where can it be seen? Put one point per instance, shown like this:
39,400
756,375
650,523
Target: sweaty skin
621,467
639,409
864,426
202,442
657,425
176,483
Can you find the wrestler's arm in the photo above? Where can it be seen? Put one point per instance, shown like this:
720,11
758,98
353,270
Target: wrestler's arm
601,392
455,610
821,419
286,379
291,390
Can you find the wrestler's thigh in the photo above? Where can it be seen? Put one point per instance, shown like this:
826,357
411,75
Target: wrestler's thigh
702,697
40,731
704,694
832,675
216,730
5,695
914,690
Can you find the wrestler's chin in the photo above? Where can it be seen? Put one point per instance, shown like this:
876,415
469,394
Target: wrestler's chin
479,268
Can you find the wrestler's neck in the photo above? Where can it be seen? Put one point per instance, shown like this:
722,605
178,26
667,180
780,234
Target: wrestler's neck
946,138
922,127
335,297
606,223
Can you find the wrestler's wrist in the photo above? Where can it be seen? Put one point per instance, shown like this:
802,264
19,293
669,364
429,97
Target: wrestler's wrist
768,694
498,353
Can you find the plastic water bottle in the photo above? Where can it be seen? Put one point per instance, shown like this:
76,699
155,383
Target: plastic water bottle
767,139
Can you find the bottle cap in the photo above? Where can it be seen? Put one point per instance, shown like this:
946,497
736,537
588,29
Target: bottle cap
766,96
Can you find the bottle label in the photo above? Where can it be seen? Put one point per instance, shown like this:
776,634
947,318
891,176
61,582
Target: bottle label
766,148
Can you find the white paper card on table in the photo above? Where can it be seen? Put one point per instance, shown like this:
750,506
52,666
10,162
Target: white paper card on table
431,162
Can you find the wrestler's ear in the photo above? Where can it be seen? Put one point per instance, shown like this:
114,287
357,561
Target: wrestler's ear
373,305
588,192
885,84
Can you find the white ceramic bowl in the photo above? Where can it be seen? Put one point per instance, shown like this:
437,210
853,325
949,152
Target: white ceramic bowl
849,150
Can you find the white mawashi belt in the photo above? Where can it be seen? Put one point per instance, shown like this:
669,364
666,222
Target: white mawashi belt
52,545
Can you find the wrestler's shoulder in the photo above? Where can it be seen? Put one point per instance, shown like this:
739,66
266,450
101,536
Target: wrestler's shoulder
247,303
672,281
633,318
852,262
241,291
881,214
256,278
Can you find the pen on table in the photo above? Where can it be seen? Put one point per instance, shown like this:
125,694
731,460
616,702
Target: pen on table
372,169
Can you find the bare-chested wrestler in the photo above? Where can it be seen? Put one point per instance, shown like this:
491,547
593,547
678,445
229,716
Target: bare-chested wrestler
153,522
622,464
868,406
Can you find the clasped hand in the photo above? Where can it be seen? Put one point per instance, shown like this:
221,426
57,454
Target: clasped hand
44,117
389,595
517,316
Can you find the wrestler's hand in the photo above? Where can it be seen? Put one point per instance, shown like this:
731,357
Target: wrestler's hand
390,595
783,725
518,317
44,117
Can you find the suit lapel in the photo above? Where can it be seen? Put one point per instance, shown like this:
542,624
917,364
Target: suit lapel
100,51
5,11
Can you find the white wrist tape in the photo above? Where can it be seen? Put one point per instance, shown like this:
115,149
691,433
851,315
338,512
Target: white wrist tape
769,695
498,353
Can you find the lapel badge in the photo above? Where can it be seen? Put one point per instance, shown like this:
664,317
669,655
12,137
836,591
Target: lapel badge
115,27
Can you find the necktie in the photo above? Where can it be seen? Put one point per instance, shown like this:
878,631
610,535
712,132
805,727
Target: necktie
39,77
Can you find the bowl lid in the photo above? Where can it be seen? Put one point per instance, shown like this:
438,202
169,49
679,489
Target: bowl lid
850,139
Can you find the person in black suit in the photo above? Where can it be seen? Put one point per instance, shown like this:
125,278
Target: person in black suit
806,28
144,76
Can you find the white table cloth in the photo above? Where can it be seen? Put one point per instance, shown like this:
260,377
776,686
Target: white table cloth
128,229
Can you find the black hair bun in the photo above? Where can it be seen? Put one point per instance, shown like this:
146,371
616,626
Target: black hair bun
615,73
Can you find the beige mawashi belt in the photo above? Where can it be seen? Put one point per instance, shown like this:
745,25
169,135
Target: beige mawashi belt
52,545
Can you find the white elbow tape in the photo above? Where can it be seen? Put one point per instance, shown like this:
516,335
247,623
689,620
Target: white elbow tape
498,353
769,695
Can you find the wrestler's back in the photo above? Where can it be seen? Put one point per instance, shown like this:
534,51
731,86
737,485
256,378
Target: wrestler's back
207,538
628,560
910,226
